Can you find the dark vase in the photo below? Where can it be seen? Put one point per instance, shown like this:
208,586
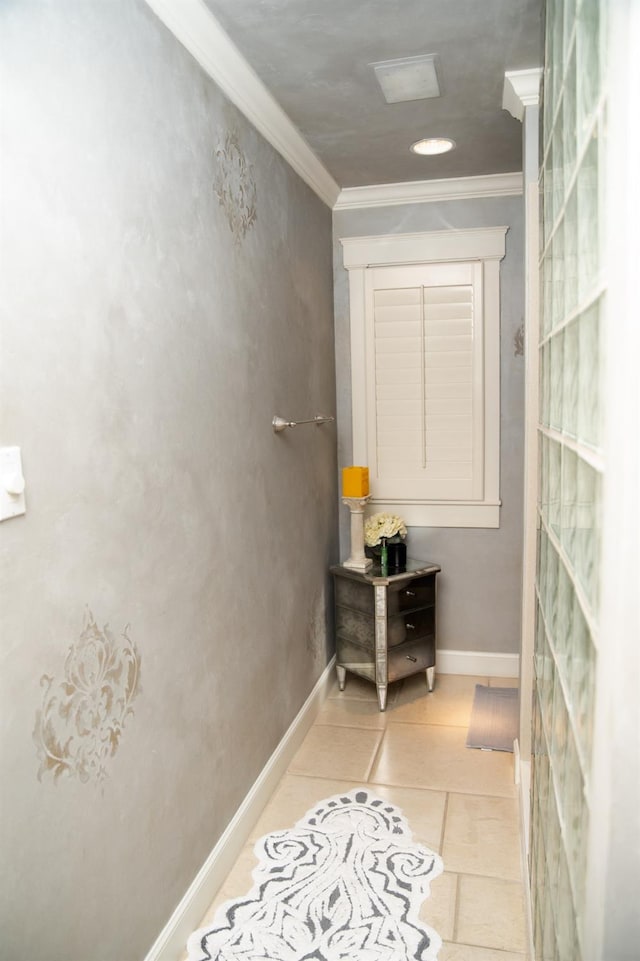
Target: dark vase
396,556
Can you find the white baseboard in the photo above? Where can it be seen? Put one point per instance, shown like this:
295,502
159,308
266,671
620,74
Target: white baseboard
523,780
480,663
172,940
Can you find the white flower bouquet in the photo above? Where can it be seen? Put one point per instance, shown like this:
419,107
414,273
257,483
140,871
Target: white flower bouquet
383,525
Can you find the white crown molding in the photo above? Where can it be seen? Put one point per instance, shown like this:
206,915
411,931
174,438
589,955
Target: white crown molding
193,24
521,89
430,191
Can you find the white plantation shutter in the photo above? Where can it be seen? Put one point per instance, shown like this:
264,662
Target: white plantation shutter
425,344
425,372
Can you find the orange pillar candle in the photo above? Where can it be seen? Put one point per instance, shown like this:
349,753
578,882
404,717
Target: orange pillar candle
355,481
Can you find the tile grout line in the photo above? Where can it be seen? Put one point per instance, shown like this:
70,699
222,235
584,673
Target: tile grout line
482,795
333,777
322,777
497,953
433,787
348,727
444,824
456,911
376,755
418,723
392,720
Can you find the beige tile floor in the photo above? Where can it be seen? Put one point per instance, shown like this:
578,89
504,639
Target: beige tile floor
459,802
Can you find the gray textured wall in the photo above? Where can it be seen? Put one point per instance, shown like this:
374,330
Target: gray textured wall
166,288
480,584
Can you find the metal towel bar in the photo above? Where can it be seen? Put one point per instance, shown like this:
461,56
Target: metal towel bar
279,423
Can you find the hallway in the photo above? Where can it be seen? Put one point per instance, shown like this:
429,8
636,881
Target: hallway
461,803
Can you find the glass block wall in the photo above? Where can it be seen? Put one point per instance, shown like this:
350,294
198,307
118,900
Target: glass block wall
570,471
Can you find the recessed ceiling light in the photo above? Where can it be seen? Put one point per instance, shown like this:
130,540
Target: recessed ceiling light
433,145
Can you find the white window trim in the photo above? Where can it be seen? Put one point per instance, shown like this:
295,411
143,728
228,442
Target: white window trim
478,244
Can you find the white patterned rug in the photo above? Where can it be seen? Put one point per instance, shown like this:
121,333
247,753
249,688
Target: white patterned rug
345,884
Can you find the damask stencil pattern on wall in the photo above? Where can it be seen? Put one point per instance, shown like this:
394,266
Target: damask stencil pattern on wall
518,341
82,717
316,628
235,187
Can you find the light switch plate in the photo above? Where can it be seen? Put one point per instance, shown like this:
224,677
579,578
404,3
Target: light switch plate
12,502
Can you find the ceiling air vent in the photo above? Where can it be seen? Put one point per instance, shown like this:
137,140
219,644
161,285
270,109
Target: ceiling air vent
413,78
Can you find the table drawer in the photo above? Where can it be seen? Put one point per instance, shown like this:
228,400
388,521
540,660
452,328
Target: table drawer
413,656
420,592
403,627
402,661
407,627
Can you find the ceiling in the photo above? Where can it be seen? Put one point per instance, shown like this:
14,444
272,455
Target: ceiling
314,57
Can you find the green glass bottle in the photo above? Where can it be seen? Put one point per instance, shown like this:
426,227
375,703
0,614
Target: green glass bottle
384,556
